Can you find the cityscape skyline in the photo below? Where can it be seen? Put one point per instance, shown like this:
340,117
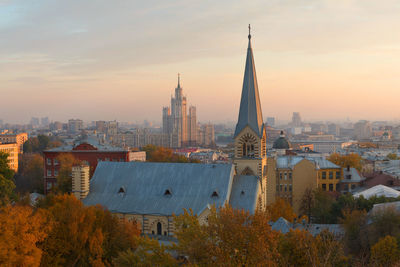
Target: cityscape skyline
313,64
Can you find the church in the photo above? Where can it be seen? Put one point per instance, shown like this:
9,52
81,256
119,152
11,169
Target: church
150,193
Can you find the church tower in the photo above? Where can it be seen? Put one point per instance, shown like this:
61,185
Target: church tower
250,134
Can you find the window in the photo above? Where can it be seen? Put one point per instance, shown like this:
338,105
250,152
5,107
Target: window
290,188
56,162
159,228
48,172
337,175
281,187
330,175
285,188
55,172
323,175
324,187
337,187
214,194
285,176
290,176
353,186
331,187
167,192
48,185
106,159
280,176
48,161
346,187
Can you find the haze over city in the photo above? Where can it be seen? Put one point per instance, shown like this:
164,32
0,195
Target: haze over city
119,60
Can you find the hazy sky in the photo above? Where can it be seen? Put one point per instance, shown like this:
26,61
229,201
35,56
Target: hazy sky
327,59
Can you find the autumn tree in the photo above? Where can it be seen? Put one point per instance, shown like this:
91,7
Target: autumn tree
230,238
385,252
30,174
40,143
149,252
384,222
281,208
84,236
353,160
64,180
392,156
355,226
300,248
22,230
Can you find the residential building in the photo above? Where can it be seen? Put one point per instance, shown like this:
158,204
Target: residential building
19,138
12,149
296,120
206,135
80,181
363,130
75,126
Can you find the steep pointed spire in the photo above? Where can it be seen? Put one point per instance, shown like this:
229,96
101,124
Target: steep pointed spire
250,107
179,80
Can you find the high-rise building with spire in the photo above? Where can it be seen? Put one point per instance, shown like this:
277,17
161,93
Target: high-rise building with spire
250,134
177,124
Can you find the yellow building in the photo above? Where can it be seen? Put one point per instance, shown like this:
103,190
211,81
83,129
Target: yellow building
12,151
20,139
290,176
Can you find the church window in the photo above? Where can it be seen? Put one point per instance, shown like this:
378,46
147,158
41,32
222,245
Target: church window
159,228
248,142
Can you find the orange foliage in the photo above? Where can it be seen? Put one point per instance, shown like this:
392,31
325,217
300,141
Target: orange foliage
281,208
21,231
353,160
230,238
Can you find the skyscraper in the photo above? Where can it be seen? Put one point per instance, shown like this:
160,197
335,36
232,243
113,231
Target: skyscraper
175,120
296,119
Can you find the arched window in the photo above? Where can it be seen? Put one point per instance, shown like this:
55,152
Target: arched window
159,228
248,149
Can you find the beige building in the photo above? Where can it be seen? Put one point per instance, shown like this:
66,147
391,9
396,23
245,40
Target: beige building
206,134
12,149
80,181
290,176
20,139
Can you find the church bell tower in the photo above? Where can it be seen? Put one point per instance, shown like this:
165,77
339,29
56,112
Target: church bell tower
250,134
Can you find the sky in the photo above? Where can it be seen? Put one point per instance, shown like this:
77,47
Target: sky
106,60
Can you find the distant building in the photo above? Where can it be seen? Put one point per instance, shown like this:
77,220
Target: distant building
296,119
19,138
271,121
206,135
363,130
75,126
35,121
12,150
56,126
44,121
89,153
177,123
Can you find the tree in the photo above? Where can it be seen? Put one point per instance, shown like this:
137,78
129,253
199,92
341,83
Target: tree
64,180
353,160
83,236
321,211
40,143
148,253
281,208
355,240
307,203
6,181
230,238
30,174
162,154
22,230
385,252
392,156
384,222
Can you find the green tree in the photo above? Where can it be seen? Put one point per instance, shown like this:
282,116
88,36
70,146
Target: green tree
30,174
4,167
7,185
64,178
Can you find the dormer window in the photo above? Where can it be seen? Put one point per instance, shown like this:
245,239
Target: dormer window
242,193
121,191
167,193
214,194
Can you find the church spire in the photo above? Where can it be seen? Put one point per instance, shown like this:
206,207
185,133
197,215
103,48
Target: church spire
250,107
179,80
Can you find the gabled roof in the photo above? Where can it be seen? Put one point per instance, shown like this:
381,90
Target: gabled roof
144,186
378,190
244,192
250,107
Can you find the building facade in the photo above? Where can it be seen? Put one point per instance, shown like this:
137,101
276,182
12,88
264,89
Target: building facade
12,149
19,138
